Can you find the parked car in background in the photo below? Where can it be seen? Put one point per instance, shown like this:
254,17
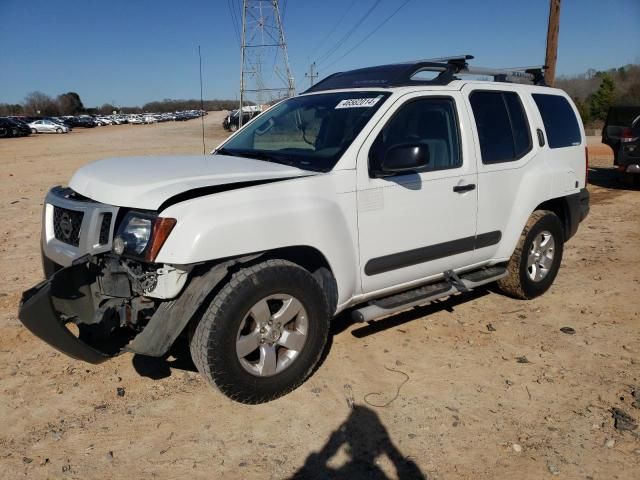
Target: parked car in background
618,125
13,128
61,121
47,126
232,121
84,122
629,153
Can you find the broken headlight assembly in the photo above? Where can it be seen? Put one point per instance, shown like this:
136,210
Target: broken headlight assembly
141,235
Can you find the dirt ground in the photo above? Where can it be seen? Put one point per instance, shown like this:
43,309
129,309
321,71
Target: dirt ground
489,387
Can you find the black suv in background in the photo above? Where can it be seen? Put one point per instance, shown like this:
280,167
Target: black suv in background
629,153
232,121
618,126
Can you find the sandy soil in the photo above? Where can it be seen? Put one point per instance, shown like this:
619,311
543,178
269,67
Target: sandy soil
489,387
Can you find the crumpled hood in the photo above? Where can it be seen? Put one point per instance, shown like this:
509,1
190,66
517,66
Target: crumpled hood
147,182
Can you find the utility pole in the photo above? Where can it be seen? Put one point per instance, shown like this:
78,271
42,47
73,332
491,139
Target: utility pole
262,41
552,42
313,73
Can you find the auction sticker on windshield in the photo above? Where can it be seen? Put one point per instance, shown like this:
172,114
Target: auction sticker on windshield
358,102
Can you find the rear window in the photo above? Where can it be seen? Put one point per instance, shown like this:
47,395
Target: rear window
622,116
503,129
559,120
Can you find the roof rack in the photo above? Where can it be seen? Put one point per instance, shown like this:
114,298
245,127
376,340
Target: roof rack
402,74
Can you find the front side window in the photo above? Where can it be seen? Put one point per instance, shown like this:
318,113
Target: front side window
503,129
427,121
309,132
559,120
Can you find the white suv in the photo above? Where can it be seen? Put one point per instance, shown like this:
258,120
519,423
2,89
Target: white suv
374,191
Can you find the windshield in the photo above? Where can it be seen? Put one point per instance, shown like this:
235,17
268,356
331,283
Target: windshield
309,132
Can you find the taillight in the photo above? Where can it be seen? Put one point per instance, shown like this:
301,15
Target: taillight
586,166
627,136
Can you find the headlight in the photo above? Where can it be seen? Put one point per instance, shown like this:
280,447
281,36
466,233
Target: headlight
142,234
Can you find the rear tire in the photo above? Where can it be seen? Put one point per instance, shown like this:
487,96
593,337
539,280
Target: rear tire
233,127
536,260
263,333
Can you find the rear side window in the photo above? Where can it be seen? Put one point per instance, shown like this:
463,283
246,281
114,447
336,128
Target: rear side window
559,120
503,129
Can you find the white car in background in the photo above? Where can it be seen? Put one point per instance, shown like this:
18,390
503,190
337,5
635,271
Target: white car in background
47,126
135,120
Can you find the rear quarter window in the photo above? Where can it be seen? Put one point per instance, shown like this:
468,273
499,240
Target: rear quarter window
560,122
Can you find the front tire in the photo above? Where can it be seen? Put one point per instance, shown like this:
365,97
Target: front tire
58,130
33,130
233,127
536,260
263,333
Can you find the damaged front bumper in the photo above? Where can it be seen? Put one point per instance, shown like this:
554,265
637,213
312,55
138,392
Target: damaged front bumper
108,325
38,314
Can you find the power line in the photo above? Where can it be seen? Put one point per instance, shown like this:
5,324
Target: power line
335,26
369,34
234,21
346,37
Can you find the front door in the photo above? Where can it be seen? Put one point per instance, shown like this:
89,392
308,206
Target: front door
417,224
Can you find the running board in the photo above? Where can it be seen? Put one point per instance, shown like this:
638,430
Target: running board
451,285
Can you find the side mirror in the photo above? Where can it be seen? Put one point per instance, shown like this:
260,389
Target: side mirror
405,158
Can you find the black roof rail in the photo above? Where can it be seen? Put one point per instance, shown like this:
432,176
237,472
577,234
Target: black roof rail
401,74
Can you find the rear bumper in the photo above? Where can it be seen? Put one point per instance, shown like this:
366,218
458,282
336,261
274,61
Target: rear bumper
38,314
578,210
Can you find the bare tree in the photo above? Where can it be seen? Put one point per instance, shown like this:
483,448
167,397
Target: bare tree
11,109
38,103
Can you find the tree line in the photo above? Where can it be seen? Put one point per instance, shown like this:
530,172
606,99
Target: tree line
70,103
595,91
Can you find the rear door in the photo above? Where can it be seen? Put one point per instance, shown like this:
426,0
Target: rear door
504,147
417,224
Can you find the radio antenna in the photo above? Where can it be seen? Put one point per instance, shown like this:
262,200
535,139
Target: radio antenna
204,149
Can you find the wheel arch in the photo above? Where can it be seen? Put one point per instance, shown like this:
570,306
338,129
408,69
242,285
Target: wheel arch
174,317
560,207
314,261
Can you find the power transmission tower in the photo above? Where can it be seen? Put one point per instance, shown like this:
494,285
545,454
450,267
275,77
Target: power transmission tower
263,41
313,73
553,30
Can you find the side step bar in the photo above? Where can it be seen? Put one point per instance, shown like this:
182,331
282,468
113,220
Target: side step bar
452,284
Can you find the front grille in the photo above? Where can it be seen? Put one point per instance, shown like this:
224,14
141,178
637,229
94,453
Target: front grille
66,225
105,228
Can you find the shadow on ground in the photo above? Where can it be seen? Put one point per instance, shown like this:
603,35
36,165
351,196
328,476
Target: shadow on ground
365,439
179,356
609,177
418,312
157,368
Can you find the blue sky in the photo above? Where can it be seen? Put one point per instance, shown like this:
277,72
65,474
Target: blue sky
134,51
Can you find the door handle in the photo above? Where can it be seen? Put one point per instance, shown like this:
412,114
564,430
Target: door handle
464,188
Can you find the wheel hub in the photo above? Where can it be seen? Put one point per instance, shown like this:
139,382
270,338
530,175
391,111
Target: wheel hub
541,256
272,335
